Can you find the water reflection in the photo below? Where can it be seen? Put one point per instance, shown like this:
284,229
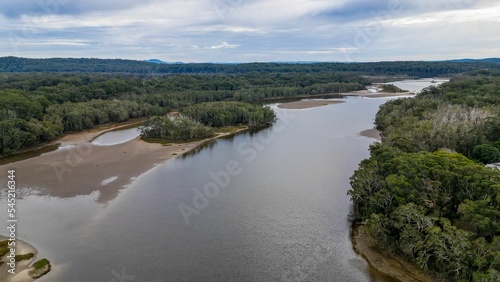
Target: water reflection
116,137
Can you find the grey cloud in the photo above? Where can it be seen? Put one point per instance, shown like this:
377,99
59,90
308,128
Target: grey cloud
17,8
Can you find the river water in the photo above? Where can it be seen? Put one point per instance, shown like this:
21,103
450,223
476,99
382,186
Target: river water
264,206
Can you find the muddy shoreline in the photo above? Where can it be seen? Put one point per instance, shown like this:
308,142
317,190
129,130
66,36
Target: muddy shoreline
380,261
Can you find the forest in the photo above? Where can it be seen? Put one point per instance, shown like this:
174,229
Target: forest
40,99
201,120
425,193
37,107
92,65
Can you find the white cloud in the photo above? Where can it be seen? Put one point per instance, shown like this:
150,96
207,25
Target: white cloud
225,45
177,30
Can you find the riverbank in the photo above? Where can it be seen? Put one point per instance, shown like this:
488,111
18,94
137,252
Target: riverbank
80,168
383,262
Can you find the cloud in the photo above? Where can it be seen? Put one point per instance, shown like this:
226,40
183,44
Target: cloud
225,45
316,30
17,8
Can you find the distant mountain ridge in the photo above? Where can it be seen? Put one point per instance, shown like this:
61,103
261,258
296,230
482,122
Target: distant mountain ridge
156,66
158,61
487,60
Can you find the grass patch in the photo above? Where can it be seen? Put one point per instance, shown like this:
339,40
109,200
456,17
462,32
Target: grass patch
4,248
40,268
24,257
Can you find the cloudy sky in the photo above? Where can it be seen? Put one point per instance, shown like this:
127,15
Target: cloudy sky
251,30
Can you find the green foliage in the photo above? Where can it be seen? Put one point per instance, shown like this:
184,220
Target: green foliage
413,68
175,128
391,88
40,268
486,154
24,257
437,208
223,114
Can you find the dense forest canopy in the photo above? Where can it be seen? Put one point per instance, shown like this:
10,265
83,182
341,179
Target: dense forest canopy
411,68
425,192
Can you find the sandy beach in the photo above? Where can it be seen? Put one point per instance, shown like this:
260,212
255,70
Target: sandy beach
306,104
387,264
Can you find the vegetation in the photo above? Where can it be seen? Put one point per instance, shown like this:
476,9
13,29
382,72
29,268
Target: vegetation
391,88
40,268
36,108
24,257
175,128
420,194
4,248
417,69
197,121
223,114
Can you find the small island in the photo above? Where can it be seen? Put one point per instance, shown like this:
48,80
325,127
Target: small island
24,269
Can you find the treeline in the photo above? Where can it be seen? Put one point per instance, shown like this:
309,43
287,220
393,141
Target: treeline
175,129
223,114
199,121
420,194
411,68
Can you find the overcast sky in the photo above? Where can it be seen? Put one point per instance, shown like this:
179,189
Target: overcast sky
251,30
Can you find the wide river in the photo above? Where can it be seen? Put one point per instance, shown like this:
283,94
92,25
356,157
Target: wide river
264,206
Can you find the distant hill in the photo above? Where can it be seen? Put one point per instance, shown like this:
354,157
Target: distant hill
154,66
487,60
157,61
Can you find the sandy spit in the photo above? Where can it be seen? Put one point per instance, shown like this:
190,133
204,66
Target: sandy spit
83,168
306,104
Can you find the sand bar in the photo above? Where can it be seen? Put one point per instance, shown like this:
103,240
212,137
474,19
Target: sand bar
83,168
368,94
306,104
371,133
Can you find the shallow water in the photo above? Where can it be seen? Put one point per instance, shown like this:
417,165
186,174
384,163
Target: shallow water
116,137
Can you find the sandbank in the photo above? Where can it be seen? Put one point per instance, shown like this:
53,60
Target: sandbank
371,133
306,104
369,94
82,168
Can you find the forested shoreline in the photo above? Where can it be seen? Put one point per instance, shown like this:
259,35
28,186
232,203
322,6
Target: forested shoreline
40,99
425,193
37,107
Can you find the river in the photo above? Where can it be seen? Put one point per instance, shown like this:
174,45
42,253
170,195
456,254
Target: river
264,206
